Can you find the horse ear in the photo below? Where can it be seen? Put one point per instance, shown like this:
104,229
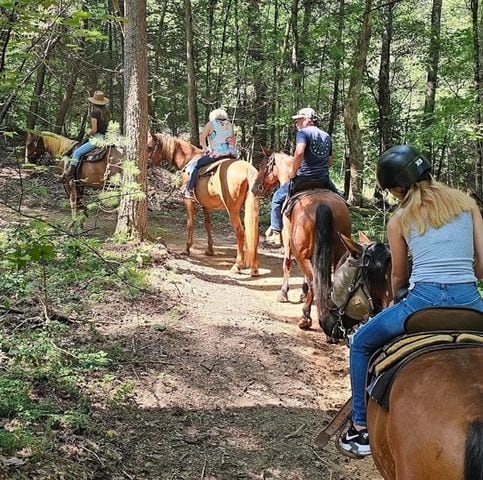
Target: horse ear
266,152
363,238
153,136
353,247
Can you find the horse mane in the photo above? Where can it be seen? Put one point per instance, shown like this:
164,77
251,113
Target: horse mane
177,151
56,144
380,256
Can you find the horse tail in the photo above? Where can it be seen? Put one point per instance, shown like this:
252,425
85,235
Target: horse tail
252,206
322,256
474,452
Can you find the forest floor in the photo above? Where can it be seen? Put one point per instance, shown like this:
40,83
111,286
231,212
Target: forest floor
222,382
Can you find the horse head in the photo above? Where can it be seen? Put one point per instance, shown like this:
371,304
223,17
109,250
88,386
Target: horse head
361,286
34,148
267,177
165,148
155,149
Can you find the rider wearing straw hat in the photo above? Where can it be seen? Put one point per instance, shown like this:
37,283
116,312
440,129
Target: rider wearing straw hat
99,117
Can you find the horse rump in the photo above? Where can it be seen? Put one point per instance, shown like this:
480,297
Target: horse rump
474,452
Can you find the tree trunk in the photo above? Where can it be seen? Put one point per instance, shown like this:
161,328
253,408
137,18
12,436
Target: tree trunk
295,60
260,106
190,64
65,104
429,100
153,94
351,109
37,93
132,222
477,16
384,94
209,60
221,71
278,83
5,32
334,108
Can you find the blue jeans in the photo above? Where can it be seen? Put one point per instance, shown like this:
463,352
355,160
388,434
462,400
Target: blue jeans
278,198
83,149
194,170
390,323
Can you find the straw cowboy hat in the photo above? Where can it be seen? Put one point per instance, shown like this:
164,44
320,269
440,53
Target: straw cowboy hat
98,98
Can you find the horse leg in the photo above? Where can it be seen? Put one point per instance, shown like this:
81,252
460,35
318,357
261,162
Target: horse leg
240,241
282,296
305,290
74,201
306,266
287,267
209,232
190,220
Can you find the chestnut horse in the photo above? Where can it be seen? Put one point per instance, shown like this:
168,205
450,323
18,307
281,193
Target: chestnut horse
90,174
229,188
311,235
433,428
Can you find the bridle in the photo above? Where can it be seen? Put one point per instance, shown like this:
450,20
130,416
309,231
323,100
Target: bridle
36,154
270,165
156,147
360,282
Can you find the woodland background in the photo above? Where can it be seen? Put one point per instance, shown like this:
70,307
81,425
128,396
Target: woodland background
117,358
380,73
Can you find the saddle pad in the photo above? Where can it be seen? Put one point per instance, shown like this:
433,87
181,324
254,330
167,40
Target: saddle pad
211,167
401,349
384,369
95,155
292,200
469,338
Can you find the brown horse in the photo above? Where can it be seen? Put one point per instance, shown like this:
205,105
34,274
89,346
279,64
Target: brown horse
434,425
311,235
229,187
90,174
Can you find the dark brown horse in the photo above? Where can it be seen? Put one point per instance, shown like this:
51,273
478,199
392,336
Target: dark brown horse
433,428
311,235
228,188
90,174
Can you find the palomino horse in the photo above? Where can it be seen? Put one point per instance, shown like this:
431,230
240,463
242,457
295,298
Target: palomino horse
311,235
229,188
90,174
433,427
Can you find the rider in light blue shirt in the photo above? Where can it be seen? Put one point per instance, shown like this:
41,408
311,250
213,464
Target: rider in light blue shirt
217,140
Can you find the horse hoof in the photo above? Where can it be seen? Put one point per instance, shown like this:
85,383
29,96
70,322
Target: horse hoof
305,323
235,269
209,252
187,251
282,297
254,273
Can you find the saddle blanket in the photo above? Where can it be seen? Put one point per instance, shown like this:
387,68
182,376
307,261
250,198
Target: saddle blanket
388,361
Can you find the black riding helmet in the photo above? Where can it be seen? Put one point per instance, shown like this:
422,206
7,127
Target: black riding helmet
402,166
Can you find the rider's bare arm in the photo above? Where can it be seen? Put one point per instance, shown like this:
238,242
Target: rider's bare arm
204,136
399,254
298,156
478,241
93,127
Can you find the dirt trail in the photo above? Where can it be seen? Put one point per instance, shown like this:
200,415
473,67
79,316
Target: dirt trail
225,386
241,390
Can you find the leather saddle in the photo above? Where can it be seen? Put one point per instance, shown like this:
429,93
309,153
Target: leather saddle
428,330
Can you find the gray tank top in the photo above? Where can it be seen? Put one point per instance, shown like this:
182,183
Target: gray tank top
444,255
